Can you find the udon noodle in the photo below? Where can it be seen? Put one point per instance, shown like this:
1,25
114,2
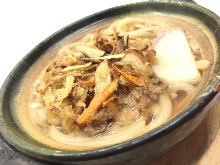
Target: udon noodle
101,89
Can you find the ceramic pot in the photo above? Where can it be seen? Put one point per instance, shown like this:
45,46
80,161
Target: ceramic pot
138,150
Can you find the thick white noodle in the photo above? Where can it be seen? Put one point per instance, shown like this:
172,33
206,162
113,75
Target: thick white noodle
122,134
68,49
141,27
203,64
38,116
181,86
89,40
123,24
143,32
162,112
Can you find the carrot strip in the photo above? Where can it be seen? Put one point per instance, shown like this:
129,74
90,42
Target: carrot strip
89,82
133,79
96,102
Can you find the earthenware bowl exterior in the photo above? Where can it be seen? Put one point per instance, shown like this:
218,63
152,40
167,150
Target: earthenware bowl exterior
141,149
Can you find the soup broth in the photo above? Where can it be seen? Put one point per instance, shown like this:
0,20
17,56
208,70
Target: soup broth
102,86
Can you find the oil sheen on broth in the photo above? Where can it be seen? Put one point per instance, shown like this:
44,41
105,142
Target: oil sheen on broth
105,86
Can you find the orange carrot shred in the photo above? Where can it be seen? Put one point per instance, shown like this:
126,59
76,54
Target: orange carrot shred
133,79
89,82
75,58
96,102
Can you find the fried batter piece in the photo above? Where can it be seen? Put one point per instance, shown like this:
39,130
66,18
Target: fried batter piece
88,89
110,43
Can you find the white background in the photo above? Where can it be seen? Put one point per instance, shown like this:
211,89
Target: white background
25,23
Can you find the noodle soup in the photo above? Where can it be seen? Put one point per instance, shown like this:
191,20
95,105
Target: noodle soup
112,82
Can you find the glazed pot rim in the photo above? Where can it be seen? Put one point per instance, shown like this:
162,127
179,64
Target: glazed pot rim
203,103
